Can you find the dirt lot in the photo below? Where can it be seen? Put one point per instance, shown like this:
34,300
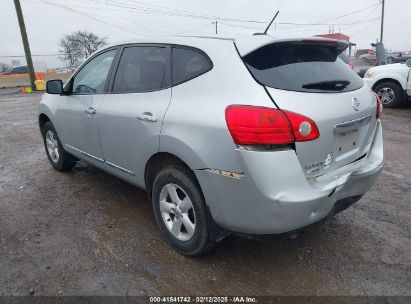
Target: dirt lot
88,233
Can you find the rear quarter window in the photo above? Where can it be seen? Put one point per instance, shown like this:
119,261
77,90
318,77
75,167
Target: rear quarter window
189,63
302,67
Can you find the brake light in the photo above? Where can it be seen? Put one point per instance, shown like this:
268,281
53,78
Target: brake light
379,106
304,128
251,125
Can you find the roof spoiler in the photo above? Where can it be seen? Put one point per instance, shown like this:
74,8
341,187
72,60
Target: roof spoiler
250,45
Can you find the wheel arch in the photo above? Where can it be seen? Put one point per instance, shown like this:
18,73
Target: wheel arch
392,80
159,161
43,118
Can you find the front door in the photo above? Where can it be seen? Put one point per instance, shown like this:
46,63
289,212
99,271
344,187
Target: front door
131,115
78,112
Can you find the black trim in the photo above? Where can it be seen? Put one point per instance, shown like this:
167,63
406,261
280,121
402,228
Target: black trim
117,64
196,50
255,79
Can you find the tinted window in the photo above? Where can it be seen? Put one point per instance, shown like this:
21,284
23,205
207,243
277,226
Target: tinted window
302,67
188,64
92,77
141,69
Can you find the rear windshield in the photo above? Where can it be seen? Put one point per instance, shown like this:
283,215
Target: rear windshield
302,67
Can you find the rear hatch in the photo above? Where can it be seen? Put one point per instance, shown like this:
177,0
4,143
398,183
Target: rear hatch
308,78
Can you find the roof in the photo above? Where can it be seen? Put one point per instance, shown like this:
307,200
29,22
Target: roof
244,43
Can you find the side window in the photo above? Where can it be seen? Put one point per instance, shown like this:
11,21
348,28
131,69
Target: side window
92,77
188,63
141,69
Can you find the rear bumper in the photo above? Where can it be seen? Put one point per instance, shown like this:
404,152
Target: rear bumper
274,196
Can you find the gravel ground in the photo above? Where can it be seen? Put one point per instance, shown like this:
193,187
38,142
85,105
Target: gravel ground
88,233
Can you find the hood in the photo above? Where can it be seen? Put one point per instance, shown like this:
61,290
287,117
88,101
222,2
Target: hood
390,67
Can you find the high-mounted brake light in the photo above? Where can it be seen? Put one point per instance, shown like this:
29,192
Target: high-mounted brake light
321,41
251,125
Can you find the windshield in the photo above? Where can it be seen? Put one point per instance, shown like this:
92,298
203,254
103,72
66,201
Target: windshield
302,67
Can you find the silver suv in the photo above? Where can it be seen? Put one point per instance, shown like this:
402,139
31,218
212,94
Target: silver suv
252,136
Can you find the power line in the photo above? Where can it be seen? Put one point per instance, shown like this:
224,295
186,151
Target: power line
91,17
196,13
169,12
194,29
144,7
352,13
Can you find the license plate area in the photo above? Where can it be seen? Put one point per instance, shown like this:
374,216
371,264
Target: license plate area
346,142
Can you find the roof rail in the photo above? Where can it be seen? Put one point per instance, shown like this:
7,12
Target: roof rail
205,37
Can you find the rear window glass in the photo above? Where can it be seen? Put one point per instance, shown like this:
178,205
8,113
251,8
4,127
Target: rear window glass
302,67
189,63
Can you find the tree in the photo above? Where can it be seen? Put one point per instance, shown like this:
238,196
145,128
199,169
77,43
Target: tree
78,46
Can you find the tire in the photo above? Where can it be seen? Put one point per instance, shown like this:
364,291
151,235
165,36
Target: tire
190,238
58,157
390,93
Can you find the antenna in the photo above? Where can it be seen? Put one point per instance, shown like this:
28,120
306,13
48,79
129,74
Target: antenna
268,27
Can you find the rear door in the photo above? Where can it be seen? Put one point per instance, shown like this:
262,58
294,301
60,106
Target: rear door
132,114
308,78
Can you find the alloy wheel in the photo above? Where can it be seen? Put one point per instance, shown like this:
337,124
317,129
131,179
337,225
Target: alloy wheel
387,95
177,212
52,146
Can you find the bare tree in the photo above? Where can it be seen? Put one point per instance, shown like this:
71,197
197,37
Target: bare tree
71,50
90,42
78,46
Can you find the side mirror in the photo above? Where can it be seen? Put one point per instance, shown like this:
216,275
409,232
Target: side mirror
54,87
408,63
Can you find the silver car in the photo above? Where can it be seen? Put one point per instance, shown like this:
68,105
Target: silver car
251,136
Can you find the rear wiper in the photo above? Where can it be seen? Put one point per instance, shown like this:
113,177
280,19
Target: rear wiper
334,85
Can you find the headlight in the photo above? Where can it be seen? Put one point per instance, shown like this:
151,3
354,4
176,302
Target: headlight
369,74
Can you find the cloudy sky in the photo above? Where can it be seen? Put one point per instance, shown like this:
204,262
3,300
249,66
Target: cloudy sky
48,20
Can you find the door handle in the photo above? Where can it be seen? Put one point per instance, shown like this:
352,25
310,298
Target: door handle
147,116
91,111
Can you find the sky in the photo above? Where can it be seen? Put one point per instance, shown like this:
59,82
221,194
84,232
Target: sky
47,21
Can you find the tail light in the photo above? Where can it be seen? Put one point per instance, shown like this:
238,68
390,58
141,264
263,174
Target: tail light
379,106
251,125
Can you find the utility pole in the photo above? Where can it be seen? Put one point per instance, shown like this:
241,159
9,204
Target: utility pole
25,43
382,21
216,27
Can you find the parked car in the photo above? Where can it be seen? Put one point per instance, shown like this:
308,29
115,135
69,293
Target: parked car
401,59
362,52
368,59
17,70
251,136
392,83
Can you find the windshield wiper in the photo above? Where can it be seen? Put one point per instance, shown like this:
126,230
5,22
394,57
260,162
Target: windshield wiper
334,85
